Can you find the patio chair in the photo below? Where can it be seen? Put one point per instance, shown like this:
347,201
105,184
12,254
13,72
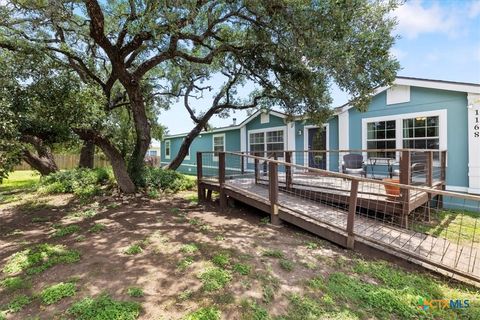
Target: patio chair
353,164
418,165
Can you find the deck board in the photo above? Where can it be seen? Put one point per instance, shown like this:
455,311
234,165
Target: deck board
437,250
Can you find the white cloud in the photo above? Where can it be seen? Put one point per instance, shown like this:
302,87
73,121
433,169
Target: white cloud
415,19
474,10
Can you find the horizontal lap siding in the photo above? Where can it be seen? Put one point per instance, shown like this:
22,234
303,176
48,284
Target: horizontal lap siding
424,99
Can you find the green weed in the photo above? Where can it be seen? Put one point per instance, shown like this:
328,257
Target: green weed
215,278
14,283
135,292
206,313
287,265
97,227
184,263
133,249
57,292
251,310
39,258
104,307
189,248
18,303
62,231
221,259
243,269
273,253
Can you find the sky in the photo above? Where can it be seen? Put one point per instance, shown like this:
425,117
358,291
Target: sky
438,39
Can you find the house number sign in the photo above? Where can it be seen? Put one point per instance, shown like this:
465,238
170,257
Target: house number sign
476,124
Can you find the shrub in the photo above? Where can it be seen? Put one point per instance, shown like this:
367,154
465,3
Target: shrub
104,308
82,182
167,180
57,292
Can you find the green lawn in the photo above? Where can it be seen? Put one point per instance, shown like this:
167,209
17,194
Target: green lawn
17,183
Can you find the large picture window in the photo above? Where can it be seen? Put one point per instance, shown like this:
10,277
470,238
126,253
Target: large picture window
381,135
421,133
267,143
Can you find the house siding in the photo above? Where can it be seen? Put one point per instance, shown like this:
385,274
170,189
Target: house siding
423,100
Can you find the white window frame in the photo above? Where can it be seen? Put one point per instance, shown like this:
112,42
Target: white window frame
442,124
264,131
215,158
168,145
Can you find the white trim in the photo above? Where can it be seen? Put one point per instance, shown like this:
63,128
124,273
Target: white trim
243,142
327,142
473,124
169,149
343,133
398,94
254,115
442,124
213,143
264,117
456,189
424,83
264,130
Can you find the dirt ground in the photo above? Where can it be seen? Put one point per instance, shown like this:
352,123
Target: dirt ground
162,227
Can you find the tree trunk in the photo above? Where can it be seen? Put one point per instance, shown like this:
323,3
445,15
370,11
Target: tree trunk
43,161
44,165
142,130
87,155
177,161
116,160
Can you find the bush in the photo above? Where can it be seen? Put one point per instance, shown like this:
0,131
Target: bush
82,182
167,180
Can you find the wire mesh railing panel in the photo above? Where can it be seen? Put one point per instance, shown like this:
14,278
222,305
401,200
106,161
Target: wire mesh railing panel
418,220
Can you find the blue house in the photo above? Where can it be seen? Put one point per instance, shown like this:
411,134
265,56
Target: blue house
411,114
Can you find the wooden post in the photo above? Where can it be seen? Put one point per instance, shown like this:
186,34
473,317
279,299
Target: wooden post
273,192
256,168
405,178
443,165
200,189
221,180
288,170
429,169
242,163
352,209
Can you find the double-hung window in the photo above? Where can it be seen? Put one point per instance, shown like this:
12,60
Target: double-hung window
167,149
381,135
218,145
267,143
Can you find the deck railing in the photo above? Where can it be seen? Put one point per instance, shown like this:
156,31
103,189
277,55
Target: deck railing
420,221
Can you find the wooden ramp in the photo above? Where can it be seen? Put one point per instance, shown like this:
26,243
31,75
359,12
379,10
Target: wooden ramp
329,220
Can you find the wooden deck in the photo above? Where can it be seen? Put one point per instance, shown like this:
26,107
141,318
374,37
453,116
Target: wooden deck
329,219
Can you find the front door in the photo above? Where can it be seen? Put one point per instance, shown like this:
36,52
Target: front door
317,140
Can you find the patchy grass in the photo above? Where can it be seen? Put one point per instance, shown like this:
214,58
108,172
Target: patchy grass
88,213
18,303
215,278
287,265
17,181
221,259
30,206
189,248
63,231
133,249
185,263
57,292
252,310
454,225
97,227
40,219
206,313
243,269
104,307
273,253
185,295
39,258
14,283
135,292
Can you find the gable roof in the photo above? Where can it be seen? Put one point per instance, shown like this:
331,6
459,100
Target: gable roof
467,87
232,127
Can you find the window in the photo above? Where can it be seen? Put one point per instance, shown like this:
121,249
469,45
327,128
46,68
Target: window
266,143
381,135
422,133
218,145
167,149
152,153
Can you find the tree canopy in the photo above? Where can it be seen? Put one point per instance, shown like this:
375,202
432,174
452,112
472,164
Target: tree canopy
137,52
